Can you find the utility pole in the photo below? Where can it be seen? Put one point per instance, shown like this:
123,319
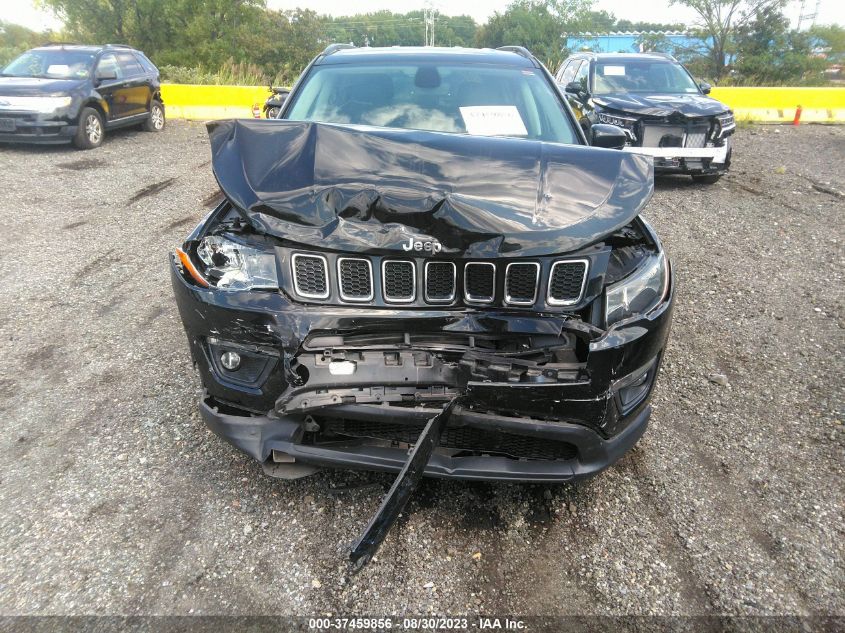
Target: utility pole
805,16
428,17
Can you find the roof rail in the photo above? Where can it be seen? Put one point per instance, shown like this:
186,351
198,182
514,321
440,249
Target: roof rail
519,50
117,46
333,48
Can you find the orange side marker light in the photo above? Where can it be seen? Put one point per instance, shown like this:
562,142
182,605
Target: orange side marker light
188,265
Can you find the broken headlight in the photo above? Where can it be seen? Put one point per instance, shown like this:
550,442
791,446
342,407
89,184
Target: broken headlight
638,293
230,265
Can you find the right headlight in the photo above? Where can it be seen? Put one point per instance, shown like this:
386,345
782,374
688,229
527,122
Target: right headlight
638,293
234,266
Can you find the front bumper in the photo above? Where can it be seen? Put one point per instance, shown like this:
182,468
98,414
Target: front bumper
582,413
258,436
33,127
687,159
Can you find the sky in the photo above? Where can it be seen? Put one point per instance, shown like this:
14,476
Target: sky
26,13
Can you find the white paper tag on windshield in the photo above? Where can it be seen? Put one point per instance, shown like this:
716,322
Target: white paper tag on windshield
58,69
493,121
614,71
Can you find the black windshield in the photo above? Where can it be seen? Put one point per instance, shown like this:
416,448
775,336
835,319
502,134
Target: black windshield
642,76
53,64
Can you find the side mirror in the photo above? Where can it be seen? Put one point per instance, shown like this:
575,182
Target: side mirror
608,136
574,88
106,75
705,87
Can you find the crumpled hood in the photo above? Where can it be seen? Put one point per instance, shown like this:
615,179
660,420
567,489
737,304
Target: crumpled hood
368,189
36,86
660,105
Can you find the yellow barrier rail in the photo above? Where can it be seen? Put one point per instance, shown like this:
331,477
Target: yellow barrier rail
768,105
183,101
774,105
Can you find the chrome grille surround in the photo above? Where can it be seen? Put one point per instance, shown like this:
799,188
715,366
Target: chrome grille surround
324,269
471,298
510,270
584,276
340,279
385,283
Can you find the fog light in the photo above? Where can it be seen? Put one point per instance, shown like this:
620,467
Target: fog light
230,360
633,388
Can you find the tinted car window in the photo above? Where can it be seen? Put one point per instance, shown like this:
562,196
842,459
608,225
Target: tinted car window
55,63
642,76
569,72
583,76
129,65
108,66
442,97
146,63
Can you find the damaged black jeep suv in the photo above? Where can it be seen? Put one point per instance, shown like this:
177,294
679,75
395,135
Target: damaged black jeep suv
426,231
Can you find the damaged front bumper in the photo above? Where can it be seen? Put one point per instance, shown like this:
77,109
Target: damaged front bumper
687,159
516,420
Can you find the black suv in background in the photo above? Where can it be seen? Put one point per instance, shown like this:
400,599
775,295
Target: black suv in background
61,93
664,112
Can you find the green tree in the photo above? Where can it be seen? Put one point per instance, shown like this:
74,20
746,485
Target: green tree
769,53
288,41
598,22
15,39
629,26
188,32
539,25
718,22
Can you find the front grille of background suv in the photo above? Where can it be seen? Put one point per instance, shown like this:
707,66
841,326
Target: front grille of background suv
543,282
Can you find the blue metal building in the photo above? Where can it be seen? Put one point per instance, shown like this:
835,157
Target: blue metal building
629,41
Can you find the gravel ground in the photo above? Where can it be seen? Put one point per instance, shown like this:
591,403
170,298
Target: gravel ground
115,499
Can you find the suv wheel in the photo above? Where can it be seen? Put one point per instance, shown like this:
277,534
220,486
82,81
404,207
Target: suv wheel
90,132
155,122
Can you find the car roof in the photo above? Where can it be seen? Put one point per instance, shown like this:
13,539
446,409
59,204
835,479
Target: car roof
87,48
622,57
421,54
